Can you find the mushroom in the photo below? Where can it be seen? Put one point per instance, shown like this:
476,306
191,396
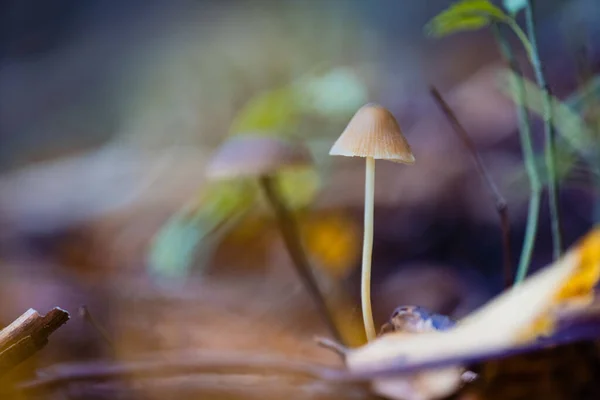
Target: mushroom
261,158
372,133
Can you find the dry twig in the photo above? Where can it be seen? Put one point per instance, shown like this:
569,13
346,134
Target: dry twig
85,313
27,335
175,365
500,202
332,345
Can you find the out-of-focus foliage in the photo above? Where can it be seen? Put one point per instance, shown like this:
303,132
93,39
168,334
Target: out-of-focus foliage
465,15
568,122
576,141
213,215
224,198
273,112
175,246
569,171
299,186
334,94
576,138
267,72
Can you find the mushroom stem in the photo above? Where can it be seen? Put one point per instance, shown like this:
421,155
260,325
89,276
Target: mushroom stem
365,292
291,238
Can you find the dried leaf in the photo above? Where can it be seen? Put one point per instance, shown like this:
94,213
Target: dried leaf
517,317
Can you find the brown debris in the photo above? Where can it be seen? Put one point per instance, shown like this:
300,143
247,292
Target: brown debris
27,335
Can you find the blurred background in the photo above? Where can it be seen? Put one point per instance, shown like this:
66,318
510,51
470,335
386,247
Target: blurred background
110,111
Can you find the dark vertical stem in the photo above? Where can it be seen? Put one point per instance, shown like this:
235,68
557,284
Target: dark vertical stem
549,149
557,222
500,202
85,313
589,93
291,238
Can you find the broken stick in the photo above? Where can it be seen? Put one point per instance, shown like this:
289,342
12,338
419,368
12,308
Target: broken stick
27,335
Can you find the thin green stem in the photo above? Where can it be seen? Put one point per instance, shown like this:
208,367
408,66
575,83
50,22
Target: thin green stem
530,233
525,41
529,159
549,149
365,285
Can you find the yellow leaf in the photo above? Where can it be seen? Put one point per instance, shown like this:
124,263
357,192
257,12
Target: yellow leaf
333,241
577,290
516,317
579,287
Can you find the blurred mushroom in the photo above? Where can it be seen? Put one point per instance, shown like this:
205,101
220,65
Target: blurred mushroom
260,157
372,133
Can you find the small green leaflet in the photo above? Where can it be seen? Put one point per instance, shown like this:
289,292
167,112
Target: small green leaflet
514,6
339,92
465,15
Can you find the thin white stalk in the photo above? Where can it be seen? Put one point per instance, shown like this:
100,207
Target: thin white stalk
368,249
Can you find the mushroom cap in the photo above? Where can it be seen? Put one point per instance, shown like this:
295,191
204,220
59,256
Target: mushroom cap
251,155
373,132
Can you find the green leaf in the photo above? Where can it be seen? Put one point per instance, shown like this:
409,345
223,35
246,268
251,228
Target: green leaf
194,232
272,112
569,171
567,123
571,127
298,186
588,94
465,15
467,23
174,248
222,199
514,6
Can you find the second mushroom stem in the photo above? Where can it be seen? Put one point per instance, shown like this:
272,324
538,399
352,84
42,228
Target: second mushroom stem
365,282
291,238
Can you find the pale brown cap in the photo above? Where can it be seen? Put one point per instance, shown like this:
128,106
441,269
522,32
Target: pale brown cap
373,132
253,155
